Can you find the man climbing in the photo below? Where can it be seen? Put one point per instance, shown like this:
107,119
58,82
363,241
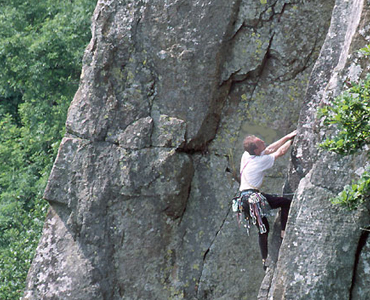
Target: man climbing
255,161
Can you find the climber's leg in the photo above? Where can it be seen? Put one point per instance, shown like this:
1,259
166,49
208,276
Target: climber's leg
263,239
284,203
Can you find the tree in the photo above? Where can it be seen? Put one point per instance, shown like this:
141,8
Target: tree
41,48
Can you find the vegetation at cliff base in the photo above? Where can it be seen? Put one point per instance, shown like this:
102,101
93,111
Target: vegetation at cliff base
41,48
350,114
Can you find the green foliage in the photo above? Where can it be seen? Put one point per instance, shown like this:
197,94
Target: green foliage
350,114
18,245
41,48
365,51
354,194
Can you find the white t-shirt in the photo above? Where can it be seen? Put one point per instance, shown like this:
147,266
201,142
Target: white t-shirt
252,168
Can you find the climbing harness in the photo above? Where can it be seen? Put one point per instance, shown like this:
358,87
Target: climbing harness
252,204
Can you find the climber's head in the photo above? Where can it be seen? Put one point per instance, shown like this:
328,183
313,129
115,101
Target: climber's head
254,145
261,146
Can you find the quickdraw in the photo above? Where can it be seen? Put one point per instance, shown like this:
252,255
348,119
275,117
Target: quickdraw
237,206
257,209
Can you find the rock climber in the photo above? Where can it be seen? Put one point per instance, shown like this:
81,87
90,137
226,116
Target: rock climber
256,159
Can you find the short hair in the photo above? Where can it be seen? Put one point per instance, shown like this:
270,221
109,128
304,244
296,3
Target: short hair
249,144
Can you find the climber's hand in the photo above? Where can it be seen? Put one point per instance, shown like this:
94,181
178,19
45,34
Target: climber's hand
292,134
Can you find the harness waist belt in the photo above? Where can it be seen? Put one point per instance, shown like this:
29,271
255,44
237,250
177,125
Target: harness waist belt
250,190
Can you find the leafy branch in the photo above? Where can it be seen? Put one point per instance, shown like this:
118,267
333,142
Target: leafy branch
349,114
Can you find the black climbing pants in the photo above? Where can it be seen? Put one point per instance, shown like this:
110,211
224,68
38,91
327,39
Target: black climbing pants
275,202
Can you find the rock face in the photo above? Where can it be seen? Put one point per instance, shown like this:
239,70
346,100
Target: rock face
140,191
316,227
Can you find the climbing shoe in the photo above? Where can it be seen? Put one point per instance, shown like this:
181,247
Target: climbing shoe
264,264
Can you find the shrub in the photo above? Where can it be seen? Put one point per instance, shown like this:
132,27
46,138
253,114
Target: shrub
349,115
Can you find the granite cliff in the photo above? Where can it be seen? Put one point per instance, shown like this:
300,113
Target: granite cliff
140,191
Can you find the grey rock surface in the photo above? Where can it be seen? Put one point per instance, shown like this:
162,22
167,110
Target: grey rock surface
141,189
319,258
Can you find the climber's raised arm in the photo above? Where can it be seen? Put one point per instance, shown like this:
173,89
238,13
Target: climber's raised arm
283,149
282,143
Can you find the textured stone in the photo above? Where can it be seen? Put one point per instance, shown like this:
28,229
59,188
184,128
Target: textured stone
136,136
170,132
140,190
361,287
60,264
320,253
